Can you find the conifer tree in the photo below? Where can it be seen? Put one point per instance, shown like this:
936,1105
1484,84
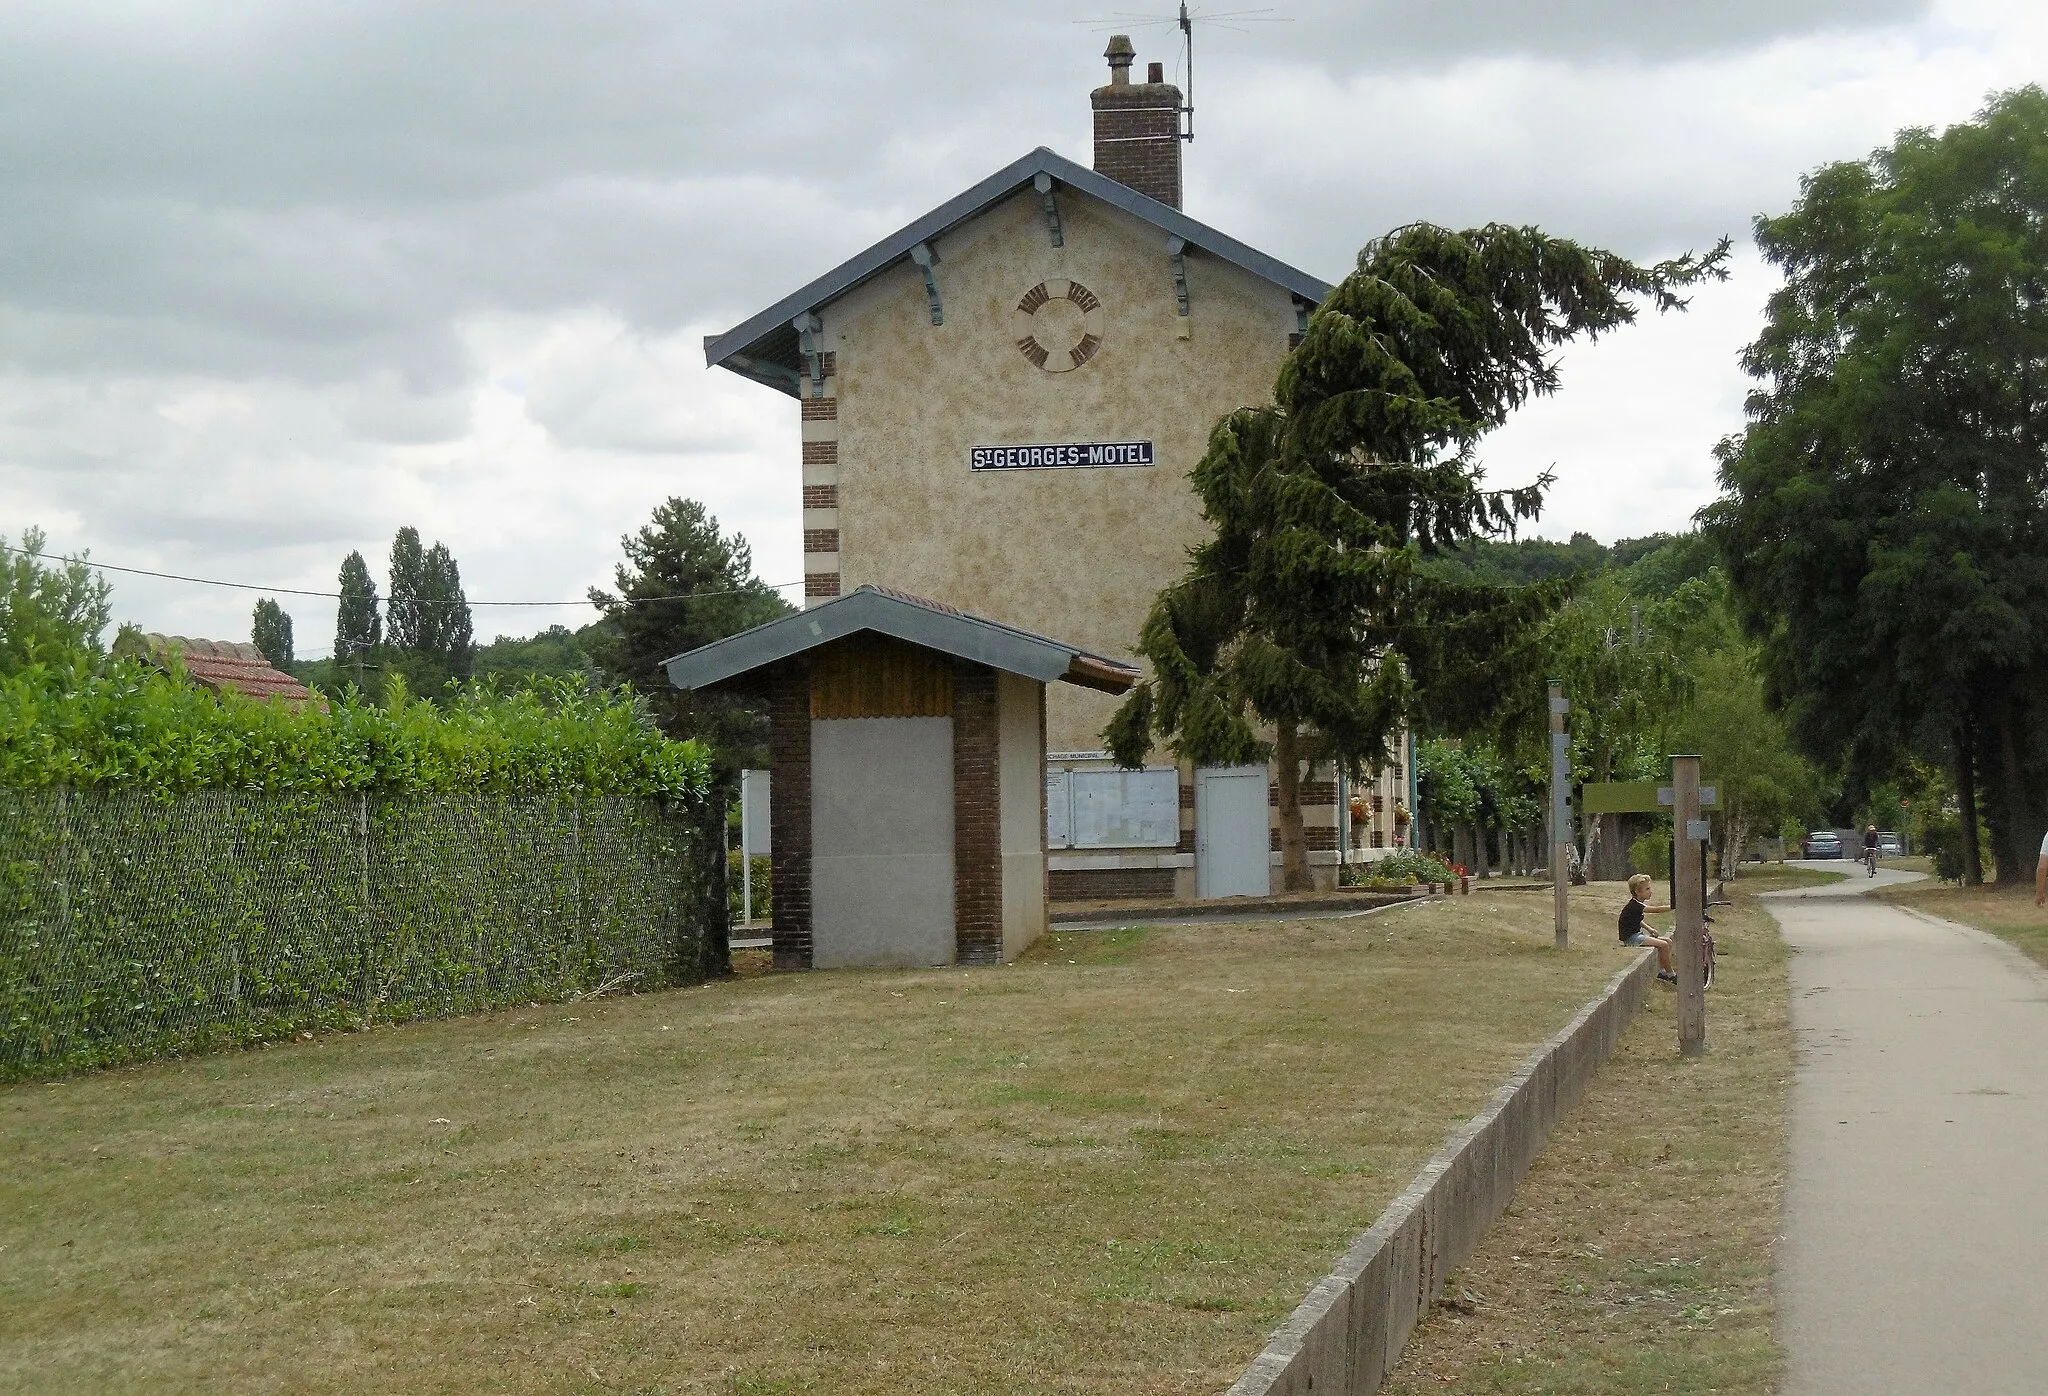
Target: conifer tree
270,629
1306,615
357,630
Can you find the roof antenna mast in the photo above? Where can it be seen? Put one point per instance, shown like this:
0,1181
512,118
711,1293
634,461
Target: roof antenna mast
1186,21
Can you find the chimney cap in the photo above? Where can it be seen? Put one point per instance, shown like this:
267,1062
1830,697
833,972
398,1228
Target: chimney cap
1120,55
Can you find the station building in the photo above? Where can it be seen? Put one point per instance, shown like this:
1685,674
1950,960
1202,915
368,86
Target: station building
1000,406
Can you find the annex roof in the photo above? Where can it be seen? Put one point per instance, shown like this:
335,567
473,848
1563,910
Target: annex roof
764,347
931,624
225,666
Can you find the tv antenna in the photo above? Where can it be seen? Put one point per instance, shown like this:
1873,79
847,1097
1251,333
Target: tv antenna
1186,21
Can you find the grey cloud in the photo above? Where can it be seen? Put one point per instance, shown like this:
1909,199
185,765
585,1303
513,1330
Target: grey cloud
321,188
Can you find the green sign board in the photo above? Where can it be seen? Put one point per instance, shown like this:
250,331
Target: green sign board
1635,797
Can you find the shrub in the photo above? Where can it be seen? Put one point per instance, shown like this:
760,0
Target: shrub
735,889
1651,854
123,724
1404,865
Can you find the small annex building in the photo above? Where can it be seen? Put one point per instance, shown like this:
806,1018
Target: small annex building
219,666
907,743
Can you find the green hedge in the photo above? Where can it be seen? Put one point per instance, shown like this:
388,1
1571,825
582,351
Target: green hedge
122,724
179,873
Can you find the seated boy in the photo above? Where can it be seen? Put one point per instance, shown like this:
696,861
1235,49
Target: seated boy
1632,932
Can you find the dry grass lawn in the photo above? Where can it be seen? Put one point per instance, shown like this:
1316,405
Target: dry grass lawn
1637,1255
2008,912
1112,1168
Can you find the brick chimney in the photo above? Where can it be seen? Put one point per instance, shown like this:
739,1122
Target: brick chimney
1137,127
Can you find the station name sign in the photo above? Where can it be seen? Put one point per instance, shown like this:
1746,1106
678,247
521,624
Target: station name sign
1074,455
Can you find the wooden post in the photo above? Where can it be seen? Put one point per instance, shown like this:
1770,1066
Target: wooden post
1688,888
1560,813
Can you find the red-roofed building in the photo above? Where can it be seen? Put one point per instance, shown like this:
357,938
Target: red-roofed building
222,666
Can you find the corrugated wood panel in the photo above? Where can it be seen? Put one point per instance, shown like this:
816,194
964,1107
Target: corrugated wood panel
878,676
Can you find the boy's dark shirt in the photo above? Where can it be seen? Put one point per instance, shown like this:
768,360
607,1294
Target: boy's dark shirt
1631,918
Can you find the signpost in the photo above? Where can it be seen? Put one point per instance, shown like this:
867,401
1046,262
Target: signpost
1560,811
1688,896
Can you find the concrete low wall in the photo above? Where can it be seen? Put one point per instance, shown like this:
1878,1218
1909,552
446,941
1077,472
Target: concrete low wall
1347,1334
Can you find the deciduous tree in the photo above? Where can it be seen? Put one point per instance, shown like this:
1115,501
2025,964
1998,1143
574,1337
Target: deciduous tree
1885,514
49,611
270,630
357,627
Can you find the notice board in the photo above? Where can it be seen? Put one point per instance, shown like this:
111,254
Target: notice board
1112,808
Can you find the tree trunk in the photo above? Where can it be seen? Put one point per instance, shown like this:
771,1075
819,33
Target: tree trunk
1294,874
1482,866
1966,803
1738,840
2009,838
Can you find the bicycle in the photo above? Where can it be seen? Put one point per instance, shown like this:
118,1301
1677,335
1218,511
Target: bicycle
1870,860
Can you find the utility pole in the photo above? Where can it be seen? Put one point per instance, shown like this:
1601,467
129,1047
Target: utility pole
1688,900
1560,811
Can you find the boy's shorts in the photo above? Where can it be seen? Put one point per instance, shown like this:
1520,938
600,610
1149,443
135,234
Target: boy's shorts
1636,940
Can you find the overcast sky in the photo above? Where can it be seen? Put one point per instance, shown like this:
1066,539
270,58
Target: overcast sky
276,280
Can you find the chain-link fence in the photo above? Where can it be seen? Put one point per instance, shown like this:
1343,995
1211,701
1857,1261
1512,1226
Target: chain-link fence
137,925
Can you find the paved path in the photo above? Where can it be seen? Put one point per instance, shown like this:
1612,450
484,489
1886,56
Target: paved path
1915,1256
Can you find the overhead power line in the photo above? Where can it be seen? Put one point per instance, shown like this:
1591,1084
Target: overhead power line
335,595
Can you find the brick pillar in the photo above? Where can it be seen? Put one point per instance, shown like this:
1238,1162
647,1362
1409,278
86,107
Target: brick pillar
977,819
789,812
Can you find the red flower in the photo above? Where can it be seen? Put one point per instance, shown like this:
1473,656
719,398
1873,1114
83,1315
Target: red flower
1458,869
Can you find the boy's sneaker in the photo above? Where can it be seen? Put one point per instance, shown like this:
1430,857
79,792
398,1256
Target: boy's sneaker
1667,976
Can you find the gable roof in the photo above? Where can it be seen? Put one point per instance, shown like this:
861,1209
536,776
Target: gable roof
224,666
764,347
930,624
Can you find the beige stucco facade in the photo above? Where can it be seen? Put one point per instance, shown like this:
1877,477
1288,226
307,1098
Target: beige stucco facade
1079,553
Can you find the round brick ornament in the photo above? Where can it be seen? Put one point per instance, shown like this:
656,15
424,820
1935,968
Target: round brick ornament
1058,325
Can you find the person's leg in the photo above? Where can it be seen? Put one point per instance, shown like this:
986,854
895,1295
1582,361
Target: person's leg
1663,952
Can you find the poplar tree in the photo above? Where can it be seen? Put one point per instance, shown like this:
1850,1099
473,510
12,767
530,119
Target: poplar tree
1305,615
270,629
451,631
408,621
357,629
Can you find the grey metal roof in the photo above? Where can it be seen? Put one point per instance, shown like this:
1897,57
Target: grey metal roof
912,618
764,347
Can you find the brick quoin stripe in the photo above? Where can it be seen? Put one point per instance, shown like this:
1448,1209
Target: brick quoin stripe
789,812
821,496
977,828
1313,792
821,540
820,584
821,453
821,409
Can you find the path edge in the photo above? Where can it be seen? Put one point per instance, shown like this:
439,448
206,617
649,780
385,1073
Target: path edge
1347,1334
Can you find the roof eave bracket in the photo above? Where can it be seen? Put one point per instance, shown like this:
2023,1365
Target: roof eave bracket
808,333
1042,182
1175,246
923,255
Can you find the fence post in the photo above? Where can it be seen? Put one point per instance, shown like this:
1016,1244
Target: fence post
363,891
64,865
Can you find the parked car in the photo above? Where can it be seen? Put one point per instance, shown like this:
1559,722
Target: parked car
1823,843
1890,846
